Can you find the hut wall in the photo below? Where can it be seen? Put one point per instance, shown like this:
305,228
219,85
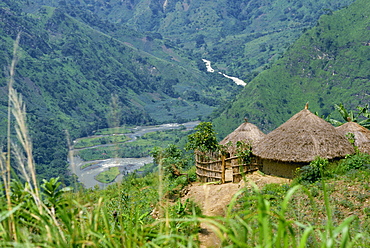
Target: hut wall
279,168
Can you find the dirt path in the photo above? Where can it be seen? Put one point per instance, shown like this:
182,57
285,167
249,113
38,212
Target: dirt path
214,198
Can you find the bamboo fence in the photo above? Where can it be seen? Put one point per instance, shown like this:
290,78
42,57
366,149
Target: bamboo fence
211,167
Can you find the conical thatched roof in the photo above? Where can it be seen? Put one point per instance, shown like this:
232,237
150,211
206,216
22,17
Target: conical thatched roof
362,135
302,138
246,132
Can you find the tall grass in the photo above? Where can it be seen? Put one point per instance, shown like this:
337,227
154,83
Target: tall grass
260,224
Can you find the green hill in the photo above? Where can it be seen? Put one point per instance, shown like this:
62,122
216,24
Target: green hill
327,65
71,63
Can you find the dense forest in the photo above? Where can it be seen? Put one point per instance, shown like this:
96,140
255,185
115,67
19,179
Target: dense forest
239,36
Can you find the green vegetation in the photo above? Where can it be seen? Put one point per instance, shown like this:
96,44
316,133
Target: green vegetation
148,211
320,213
204,139
312,172
108,176
243,37
362,117
114,130
93,141
86,165
325,222
140,147
330,210
172,160
76,53
71,61
353,162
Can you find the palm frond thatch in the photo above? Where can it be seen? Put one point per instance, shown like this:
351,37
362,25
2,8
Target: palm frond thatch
301,139
362,135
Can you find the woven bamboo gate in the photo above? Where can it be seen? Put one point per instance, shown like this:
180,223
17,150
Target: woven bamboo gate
241,168
211,167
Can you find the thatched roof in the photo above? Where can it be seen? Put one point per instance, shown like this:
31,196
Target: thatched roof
246,132
301,139
362,135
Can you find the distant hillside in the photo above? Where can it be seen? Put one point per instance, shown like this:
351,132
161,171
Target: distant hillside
329,64
238,36
71,63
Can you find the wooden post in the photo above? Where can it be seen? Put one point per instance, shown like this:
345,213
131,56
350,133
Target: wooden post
223,165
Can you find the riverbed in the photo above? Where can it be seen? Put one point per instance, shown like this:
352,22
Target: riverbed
87,175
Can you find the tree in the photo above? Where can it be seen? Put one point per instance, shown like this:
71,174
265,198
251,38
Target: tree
171,158
115,112
204,139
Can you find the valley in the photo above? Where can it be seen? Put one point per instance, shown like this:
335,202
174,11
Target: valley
77,55
87,170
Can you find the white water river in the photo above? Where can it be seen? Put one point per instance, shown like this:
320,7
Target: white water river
235,79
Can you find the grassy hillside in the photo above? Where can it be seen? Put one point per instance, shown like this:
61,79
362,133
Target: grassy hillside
327,65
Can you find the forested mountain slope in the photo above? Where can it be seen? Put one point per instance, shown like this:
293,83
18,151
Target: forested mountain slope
71,63
238,36
327,65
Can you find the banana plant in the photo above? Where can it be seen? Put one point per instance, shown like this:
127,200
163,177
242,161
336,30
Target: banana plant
362,116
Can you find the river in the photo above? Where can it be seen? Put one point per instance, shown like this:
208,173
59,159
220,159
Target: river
235,79
87,175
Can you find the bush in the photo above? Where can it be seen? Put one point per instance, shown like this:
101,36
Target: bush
313,172
353,162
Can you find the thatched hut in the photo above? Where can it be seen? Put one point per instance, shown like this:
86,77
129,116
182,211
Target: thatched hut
246,132
299,141
362,135
249,134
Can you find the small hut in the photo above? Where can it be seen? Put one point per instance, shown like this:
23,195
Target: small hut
246,132
299,141
249,134
362,135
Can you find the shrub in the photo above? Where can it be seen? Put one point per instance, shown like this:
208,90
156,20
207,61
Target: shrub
353,162
313,172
